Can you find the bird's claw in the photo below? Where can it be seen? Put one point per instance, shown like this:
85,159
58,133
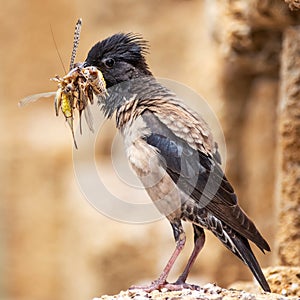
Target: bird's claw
158,285
155,285
178,286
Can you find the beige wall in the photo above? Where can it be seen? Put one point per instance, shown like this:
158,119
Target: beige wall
53,243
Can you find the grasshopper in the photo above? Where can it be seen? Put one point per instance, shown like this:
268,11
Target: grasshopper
76,90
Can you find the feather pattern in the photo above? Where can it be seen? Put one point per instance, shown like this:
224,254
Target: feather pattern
185,149
172,151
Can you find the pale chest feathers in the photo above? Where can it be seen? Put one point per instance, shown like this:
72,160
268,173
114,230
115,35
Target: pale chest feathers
143,158
145,161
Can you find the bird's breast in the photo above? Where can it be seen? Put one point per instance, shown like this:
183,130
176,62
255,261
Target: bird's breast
147,163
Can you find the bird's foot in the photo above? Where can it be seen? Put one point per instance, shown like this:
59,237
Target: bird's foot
158,285
178,286
155,285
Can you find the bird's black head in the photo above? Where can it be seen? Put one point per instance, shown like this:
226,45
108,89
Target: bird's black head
120,57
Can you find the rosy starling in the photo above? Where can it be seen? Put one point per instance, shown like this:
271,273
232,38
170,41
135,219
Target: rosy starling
172,151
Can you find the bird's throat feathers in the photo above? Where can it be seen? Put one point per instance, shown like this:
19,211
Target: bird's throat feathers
121,96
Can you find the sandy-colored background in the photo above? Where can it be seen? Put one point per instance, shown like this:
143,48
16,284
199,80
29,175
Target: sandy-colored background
53,243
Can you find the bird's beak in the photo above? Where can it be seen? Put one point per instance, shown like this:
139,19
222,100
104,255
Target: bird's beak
79,65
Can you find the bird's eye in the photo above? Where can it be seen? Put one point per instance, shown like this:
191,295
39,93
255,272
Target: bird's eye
109,62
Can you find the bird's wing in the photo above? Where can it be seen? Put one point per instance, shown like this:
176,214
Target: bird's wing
187,150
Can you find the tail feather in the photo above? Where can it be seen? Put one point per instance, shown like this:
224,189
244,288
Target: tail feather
244,252
237,244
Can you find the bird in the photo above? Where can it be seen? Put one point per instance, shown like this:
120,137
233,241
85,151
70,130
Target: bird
171,149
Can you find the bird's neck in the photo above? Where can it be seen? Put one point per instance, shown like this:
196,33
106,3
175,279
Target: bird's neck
145,87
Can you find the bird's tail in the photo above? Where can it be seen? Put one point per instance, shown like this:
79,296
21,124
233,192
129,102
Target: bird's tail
244,252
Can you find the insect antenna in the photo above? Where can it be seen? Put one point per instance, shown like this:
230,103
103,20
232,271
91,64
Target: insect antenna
75,42
57,51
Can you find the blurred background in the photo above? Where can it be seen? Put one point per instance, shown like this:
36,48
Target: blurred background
53,243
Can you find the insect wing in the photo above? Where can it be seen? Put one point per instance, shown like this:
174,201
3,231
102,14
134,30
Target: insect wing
86,110
35,97
70,123
88,118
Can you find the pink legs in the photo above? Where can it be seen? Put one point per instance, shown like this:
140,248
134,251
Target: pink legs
199,240
161,282
162,279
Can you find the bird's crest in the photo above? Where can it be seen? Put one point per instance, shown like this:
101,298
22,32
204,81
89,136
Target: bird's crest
126,46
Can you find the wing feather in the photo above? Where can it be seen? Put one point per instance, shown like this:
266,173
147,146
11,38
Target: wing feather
199,175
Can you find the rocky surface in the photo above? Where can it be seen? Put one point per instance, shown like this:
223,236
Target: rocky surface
282,280
207,292
288,237
284,283
249,33
293,4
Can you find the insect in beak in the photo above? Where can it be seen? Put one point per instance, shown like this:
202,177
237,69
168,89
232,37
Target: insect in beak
76,90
